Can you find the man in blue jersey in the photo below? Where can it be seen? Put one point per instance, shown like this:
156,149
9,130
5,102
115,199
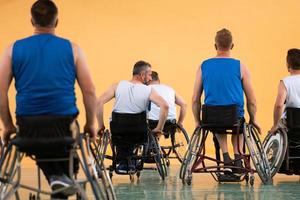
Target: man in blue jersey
45,68
224,80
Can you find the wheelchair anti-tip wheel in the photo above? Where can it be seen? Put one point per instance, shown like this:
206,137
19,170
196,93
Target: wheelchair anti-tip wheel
190,156
275,147
257,154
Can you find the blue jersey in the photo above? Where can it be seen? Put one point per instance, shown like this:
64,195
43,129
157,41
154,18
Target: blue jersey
222,83
44,71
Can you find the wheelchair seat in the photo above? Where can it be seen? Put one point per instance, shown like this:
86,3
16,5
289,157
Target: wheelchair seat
169,127
43,146
220,118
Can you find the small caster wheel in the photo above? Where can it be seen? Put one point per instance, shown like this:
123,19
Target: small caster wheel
251,180
247,178
168,162
189,180
138,174
131,176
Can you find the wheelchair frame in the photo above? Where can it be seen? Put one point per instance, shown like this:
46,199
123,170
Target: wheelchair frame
194,161
168,150
10,173
140,154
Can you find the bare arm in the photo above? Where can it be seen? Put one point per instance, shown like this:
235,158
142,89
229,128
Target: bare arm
196,99
180,102
250,96
87,88
279,105
164,108
103,99
5,81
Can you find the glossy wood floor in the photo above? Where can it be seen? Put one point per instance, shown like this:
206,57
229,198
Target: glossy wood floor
150,186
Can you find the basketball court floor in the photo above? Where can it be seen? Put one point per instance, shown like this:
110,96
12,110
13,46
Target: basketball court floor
150,186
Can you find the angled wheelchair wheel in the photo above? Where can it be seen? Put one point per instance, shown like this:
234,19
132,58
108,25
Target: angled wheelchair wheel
158,156
99,171
100,186
9,172
180,141
101,146
275,147
190,156
257,153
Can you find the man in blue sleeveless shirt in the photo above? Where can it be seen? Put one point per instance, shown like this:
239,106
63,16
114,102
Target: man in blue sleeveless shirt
224,80
45,68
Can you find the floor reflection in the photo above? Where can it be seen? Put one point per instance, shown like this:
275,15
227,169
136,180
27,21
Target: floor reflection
203,187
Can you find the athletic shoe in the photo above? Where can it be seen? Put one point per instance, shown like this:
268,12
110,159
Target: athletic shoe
59,182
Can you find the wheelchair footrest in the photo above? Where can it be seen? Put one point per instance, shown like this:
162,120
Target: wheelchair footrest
228,177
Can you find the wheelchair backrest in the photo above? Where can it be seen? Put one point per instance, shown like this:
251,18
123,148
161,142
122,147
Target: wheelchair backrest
127,128
220,116
293,118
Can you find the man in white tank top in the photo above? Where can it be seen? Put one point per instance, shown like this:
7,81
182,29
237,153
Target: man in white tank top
288,90
171,97
132,97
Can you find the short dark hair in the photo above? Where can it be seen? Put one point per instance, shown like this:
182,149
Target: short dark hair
293,58
44,13
154,76
139,67
223,39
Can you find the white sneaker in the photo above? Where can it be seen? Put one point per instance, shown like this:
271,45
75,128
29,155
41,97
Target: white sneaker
58,182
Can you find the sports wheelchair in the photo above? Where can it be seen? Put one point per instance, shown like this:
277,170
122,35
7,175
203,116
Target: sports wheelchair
72,148
175,140
283,147
130,133
220,119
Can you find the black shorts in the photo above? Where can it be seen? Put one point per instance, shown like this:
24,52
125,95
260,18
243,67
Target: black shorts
169,127
47,134
231,131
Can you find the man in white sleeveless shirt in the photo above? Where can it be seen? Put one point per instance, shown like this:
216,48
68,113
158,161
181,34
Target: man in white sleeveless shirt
288,90
128,123
172,98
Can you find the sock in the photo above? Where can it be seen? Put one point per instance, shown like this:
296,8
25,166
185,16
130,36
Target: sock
226,157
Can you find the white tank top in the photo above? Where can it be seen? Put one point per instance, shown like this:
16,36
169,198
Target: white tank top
292,85
168,94
131,97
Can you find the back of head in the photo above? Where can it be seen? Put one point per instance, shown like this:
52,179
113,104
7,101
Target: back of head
44,13
223,40
140,67
154,76
293,59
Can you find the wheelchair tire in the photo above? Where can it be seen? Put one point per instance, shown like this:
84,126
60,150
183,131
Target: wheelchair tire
158,157
180,144
257,154
275,147
102,143
101,187
9,171
190,156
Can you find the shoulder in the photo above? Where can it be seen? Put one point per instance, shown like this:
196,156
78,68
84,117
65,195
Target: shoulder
207,61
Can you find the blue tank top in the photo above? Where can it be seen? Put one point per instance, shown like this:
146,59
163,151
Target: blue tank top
222,83
44,71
